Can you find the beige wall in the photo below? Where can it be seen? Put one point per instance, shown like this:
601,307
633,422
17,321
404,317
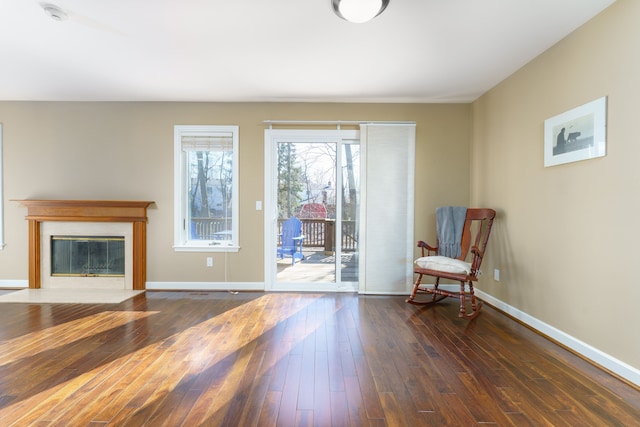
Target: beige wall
566,236
125,151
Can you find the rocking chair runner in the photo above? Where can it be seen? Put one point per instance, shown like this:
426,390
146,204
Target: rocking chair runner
475,235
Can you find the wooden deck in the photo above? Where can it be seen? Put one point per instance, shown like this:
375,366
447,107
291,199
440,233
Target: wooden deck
317,266
286,359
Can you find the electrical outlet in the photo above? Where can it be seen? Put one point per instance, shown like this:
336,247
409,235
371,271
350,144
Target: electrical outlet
496,275
209,262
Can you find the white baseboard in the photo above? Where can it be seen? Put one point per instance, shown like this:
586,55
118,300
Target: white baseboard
188,286
205,286
591,353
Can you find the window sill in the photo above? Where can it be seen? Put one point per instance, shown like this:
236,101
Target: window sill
205,248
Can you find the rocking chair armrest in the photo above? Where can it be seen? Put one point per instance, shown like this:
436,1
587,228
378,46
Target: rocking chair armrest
423,245
476,251
477,258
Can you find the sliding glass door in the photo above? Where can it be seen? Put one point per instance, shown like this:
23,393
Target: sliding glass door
313,193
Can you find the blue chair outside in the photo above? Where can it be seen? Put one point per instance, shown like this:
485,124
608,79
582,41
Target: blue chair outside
291,240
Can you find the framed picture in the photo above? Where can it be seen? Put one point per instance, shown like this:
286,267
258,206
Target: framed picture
577,134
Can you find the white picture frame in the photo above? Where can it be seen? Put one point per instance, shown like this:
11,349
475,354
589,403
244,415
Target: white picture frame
577,134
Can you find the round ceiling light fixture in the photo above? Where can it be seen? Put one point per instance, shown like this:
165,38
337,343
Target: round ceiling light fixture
54,12
359,11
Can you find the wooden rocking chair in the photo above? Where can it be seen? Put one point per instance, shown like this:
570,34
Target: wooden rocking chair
474,236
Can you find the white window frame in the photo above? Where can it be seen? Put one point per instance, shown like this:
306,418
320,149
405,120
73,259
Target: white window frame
182,241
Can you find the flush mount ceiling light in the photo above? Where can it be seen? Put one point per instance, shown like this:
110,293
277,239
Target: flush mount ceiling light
54,12
359,11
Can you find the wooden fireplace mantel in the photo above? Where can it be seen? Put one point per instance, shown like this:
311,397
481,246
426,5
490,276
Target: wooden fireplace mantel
135,212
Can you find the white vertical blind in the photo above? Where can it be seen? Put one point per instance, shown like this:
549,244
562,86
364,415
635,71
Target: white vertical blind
388,208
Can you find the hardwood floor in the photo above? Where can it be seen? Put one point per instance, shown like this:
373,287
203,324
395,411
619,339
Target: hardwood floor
263,359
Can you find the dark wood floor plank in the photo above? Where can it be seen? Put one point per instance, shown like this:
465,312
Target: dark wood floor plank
339,409
109,386
255,402
227,370
235,391
38,412
393,413
289,401
321,391
369,388
44,358
260,359
306,391
304,418
355,403
335,341
269,413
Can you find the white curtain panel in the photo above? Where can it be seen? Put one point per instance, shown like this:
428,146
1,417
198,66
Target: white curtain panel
388,208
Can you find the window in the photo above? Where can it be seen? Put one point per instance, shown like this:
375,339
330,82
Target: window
206,188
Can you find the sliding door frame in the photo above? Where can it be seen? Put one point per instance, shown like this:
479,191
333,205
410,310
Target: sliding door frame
272,138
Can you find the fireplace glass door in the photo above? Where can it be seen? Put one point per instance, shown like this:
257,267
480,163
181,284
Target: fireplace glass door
90,256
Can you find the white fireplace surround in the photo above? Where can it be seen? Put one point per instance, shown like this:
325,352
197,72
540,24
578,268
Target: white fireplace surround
83,229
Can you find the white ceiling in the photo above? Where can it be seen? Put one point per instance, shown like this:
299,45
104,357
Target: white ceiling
274,50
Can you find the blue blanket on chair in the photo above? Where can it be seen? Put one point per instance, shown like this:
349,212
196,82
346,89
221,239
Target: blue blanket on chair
450,222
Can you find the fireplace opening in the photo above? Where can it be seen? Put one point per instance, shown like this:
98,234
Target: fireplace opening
87,256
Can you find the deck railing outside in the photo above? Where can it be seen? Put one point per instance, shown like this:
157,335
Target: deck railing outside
318,233
209,228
